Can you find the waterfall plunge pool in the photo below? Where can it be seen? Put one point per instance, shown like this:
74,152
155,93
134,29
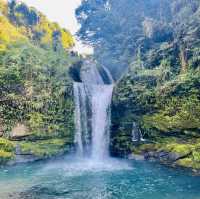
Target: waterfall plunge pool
98,177
73,178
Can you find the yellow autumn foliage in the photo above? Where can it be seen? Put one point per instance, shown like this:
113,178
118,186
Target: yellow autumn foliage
47,29
8,33
67,39
40,32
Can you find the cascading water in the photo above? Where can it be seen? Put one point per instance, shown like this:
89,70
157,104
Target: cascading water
136,133
80,116
92,113
101,99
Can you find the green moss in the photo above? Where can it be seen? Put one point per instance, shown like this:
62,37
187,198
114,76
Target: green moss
188,151
188,163
181,149
196,156
5,156
148,147
47,148
159,144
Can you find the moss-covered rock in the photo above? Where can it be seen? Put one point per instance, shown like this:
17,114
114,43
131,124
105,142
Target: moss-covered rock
181,149
12,152
188,163
5,156
196,156
44,148
172,151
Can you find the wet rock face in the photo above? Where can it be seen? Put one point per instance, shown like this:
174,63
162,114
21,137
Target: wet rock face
136,157
84,71
74,71
1,132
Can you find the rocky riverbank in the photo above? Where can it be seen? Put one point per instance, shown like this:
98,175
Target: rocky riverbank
171,152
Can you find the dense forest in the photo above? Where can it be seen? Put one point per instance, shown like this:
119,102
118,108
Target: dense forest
152,50
36,97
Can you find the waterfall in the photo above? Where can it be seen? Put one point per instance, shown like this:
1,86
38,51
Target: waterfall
101,99
92,114
136,133
80,116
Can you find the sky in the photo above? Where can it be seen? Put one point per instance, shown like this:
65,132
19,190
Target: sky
63,12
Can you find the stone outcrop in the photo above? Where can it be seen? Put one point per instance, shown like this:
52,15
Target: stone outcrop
163,156
20,131
1,132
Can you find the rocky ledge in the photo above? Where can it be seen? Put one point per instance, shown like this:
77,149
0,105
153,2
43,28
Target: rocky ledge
14,152
172,152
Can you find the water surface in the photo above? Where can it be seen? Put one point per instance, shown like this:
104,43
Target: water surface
83,179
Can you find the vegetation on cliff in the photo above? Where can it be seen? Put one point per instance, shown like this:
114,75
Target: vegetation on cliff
18,21
36,101
161,89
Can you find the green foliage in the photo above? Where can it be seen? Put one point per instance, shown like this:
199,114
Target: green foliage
149,31
35,121
37,27
19,22
161,88
121,144
179,114
36,88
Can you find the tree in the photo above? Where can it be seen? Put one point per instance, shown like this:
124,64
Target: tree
118,29
11,10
